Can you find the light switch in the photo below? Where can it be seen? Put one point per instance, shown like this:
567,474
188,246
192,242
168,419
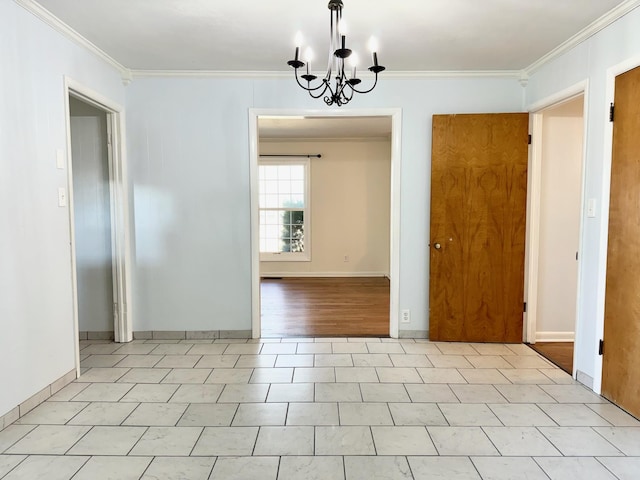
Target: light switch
60,158
62,197
591,208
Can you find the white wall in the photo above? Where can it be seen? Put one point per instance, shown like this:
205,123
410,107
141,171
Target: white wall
92,217
560,202
350,188
590,60
188,142
36,311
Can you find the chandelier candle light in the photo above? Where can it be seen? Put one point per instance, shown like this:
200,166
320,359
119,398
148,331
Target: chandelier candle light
344,87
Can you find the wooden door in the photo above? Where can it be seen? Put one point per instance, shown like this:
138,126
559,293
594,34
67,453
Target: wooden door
621,361
478,211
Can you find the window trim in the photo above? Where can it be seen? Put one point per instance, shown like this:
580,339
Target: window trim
290,256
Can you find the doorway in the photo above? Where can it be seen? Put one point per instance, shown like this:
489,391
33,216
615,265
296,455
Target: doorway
554,233
90,160
345,257
100,253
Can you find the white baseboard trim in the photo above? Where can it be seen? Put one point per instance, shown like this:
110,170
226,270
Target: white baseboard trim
555,336
323,274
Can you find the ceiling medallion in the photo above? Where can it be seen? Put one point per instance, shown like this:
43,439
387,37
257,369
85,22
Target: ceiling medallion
343,88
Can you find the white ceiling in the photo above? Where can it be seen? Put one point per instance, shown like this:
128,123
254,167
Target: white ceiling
257,35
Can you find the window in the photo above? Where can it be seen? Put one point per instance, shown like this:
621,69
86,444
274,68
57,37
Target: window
284,210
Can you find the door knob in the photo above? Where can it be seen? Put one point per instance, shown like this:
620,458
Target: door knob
437,246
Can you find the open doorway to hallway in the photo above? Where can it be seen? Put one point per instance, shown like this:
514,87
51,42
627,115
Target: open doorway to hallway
324,223
560,128
92,222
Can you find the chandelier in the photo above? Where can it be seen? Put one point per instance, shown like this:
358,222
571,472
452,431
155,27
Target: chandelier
343,87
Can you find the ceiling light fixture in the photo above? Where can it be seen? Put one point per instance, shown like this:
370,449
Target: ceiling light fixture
344,87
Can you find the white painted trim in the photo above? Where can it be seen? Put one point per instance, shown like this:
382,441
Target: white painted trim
123,331
58,25
396,161
587,32
288,74
533,213
323,274
555,336
607,157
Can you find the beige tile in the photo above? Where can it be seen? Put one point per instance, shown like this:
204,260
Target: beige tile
52,413
449,361
151,393
313,414
218,361
445,468
294,360
260,414
488,361
440,375
244,393
47,467
314,374
144,375
226,441
344,441
333,360
245,468
311,468
230,375
103,392
464,441
431,393
579,441
156,414
253,361
108,441
398,375
356,374
520,441
48,440
364,414
469,415
103,413
372,360
407,440
179,468
163,441
178,361
285,441
208,415
291,392
187,375
272,375
197,394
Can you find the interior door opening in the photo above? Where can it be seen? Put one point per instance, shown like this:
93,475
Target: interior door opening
556,196
324,222
93,210
339,270
98,216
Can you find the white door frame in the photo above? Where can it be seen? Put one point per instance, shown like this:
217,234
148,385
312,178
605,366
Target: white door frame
533,211
120,235
612,73
396,158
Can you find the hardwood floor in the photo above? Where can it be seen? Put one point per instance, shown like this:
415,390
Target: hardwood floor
331,307
560,353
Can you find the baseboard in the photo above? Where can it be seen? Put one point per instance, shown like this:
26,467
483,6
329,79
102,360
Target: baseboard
555,336
323,274
413,334
34,400
190,334
584,379
91,335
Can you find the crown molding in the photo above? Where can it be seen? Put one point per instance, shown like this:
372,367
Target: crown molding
388,74
50,19
587,32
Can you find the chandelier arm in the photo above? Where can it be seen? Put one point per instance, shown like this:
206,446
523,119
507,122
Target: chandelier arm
325,85
308,89
366,91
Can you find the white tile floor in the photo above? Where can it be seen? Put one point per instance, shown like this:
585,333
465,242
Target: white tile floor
320,408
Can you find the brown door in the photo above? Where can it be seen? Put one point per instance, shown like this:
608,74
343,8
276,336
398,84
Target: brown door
478,211
621,361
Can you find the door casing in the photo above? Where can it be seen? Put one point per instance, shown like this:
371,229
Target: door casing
396,160
532,248
120,230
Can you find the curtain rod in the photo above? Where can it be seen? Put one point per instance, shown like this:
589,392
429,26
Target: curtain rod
315,155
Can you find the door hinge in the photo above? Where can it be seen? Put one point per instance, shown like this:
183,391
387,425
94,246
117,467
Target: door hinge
529,140
601,347
576,255
524,307
611,111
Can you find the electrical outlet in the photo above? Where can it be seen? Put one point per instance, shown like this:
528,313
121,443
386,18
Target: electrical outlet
406,316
